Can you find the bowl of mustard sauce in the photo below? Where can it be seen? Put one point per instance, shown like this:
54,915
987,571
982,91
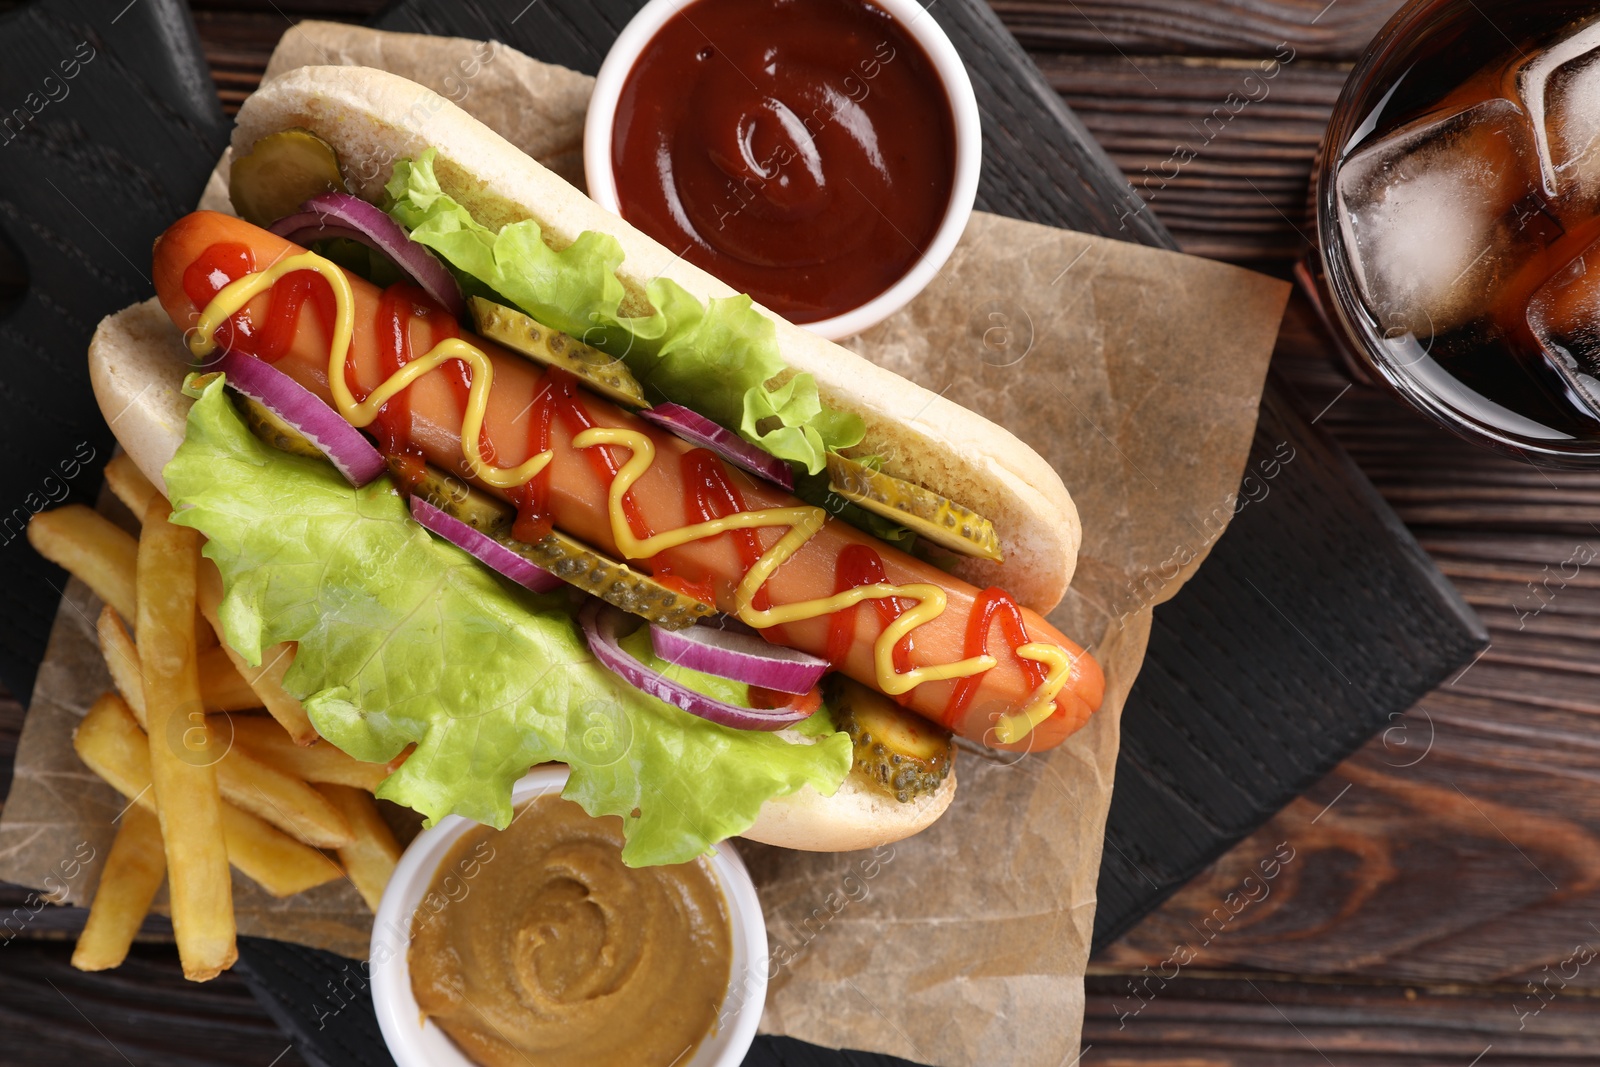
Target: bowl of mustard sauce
537,944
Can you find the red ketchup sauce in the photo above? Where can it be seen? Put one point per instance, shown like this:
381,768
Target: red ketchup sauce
803,151
991,602
859,565
227,262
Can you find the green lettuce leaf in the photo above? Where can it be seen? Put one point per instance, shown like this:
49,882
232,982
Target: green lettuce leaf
719,358
404,639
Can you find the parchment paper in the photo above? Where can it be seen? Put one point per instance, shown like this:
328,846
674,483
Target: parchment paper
1136,372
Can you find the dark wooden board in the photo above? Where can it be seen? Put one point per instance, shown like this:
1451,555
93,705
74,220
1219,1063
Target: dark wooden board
1458,846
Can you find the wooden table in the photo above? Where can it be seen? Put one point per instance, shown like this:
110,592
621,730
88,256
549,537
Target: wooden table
1440,894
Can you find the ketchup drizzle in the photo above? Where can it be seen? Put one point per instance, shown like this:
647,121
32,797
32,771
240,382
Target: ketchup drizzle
860,565
563,391
712,496
229,261
209,275
393,424
990,602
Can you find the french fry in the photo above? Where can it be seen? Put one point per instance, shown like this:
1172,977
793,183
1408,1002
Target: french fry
271,858
222,687
93,549
370,857
182,754
133,872
321,762
267,679
283,800
122,659
129,484
110,743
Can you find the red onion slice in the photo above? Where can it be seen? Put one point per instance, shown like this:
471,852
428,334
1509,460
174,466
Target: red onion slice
695,427
485,549
600,625
345,446
739,657
344,215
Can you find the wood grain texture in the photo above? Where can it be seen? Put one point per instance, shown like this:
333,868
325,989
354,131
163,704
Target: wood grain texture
1319,28
1221,152
1202,1019
1227,180
135,169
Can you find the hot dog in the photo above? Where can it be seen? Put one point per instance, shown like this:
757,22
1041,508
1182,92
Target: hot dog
578,497
953,643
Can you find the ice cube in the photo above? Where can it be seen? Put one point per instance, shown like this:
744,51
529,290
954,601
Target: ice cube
1560,89
1439,212
1564,316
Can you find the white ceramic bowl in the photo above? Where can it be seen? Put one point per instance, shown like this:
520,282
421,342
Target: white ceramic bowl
911,16
415,1042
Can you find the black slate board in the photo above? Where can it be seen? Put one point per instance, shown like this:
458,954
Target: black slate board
93,166
1248,693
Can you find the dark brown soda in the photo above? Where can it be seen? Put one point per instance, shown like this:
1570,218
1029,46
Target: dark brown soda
1495,355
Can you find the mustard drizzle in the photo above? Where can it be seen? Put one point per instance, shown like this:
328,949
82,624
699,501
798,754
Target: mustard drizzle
803,522
235,295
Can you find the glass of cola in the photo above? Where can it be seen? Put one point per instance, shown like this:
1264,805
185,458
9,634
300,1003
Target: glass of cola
1458,220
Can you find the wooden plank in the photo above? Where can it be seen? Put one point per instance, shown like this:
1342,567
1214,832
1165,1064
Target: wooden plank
1201,1019
1463,843
1222,151
1453,898
11,714
135,166
1320,29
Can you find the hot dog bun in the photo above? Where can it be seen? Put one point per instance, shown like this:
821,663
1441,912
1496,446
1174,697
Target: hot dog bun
136,366
372,118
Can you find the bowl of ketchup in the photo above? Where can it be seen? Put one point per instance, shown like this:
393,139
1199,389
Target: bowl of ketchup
820,155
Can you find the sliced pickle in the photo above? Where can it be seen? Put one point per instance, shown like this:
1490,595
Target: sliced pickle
265,424
616,583
282,171
939,519
898,751
604,374
461,501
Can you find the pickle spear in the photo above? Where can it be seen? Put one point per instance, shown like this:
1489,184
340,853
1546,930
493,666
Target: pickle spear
900,752
570,560
461,501
280,172
616,583
527,336
939,519
265,424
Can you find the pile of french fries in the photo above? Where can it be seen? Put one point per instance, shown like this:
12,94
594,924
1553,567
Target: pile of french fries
218,763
